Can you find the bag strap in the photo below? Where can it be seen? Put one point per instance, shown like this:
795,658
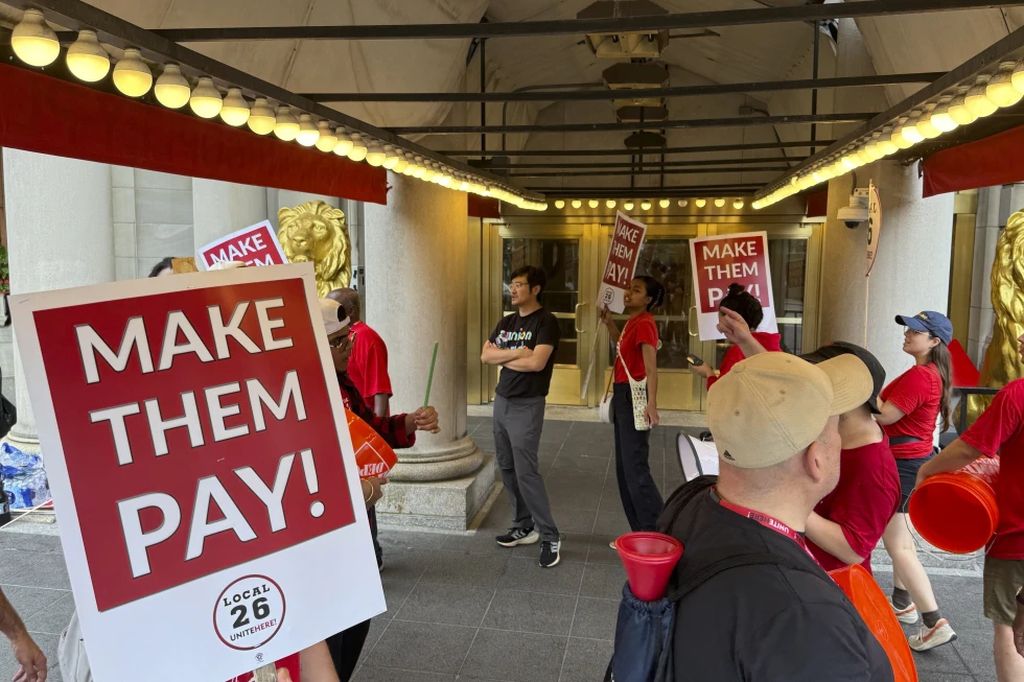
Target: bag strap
618,352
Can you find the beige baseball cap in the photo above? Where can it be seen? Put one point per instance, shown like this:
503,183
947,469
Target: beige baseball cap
773,405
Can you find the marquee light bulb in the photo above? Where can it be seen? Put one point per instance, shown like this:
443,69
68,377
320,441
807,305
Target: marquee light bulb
1000,90
261,118
576,203
559,203
33,41
87,59
205,100
235,110
286,127
308,133
719,203
344,145
326,140
610,203
977,99
700,203
645,205
172,89
664,203
593,203
628,205
131,75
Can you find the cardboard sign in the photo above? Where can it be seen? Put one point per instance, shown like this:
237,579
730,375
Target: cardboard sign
195,441
718,262
874,226
253,245
627,239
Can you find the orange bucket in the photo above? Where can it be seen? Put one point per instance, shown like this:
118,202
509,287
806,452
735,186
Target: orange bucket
957,512
862,590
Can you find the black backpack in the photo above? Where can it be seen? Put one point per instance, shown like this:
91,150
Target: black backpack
645,631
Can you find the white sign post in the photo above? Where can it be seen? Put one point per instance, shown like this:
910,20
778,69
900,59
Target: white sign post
201,466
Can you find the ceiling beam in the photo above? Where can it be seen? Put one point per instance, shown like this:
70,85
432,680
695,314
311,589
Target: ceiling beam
649,151
111,29
540,95
784,119
532,29
627,163
631,172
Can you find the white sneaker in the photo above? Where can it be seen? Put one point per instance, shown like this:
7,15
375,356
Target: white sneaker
929,638
907,615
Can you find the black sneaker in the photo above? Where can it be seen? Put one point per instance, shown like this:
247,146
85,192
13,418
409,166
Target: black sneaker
518,536
549,555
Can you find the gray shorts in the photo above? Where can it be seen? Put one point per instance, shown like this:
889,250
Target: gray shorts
1003,578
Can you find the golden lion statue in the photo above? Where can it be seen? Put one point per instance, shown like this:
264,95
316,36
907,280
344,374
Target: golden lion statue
1002,364
316,232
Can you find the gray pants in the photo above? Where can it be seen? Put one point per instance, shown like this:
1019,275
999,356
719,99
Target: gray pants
517,426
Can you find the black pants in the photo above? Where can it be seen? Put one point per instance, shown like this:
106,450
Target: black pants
371,515
345,648
640,497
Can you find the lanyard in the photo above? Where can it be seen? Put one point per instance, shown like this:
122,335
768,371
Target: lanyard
769,522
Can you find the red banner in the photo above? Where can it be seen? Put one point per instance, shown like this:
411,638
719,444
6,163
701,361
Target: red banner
179,432
54,116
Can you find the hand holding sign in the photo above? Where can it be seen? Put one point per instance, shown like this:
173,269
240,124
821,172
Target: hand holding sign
732,324
423,419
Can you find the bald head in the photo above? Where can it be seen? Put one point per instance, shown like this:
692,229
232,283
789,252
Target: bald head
349,300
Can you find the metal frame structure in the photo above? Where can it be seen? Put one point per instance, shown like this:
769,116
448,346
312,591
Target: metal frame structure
533,29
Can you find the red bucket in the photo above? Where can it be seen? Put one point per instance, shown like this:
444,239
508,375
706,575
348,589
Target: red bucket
874,609
649,559
957,512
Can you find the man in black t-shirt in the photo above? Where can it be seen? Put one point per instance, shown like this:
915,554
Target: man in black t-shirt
524,344
780,616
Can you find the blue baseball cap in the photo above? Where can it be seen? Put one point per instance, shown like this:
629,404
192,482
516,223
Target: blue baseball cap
936,324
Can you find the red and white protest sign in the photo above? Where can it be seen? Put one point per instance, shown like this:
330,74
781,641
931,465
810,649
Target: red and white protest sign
721,260
627,239
253,245
196,446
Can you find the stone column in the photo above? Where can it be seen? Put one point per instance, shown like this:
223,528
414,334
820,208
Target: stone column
220,208
911,271
415,256
60,234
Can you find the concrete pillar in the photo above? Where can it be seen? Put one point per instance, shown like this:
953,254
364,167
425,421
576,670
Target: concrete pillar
415,256
60,234
220,208
911,271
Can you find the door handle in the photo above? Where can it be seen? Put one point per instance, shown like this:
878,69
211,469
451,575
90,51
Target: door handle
690,320
576,318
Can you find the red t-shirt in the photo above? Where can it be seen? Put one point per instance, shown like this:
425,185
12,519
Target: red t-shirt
863,501
1000,429
770,340
917,392
368,363
638,331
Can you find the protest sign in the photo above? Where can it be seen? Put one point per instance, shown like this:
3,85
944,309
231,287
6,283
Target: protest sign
253,245
721,260
627,239
194,437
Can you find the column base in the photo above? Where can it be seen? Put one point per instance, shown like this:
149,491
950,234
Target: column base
449,505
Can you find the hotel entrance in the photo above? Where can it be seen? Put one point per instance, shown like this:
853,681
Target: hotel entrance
573,257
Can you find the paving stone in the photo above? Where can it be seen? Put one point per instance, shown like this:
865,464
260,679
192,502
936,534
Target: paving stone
550,614
446,604
415,646
461,568
585,660
595,618
522,573
490,658
603,581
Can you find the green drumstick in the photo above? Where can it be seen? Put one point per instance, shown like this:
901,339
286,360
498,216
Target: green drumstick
430,376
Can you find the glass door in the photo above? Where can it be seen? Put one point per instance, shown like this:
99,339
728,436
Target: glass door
566,256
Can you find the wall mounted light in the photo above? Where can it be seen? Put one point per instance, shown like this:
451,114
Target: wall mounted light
593,203
664,203
682,203
700,203
628,205
738,204
576,203
645,205
610,203
559,203
719,203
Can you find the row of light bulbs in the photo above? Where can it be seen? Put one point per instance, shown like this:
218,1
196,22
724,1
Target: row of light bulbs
647,204
36,44
967,104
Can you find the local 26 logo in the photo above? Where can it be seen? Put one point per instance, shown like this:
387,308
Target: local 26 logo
249,612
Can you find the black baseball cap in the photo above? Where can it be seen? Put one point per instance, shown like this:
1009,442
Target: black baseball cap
865,356
935,323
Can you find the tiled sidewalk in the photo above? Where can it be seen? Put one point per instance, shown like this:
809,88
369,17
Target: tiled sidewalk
461,608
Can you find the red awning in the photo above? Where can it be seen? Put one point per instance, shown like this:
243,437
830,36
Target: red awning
53,116
482,207
994,160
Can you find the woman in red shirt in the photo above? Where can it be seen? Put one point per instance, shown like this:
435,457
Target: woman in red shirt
741,301
637,349
910,407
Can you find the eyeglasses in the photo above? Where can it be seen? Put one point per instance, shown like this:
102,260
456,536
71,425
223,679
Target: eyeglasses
518,285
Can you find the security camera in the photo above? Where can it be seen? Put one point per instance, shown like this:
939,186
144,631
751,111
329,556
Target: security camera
857,212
